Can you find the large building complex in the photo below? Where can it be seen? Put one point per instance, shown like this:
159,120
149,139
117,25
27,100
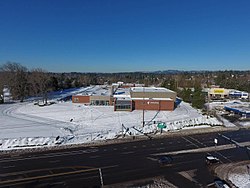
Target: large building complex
128,98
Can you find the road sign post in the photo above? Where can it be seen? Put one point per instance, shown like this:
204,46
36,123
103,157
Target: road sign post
161,126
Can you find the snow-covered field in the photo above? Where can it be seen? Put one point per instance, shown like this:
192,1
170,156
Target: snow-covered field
27,125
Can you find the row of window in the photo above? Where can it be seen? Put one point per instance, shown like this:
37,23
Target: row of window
123,107
99,103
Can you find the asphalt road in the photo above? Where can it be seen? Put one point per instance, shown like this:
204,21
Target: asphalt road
115,164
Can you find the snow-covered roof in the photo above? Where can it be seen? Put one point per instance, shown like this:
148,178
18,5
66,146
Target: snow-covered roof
122,97
98,90
162,99
151,89
239,108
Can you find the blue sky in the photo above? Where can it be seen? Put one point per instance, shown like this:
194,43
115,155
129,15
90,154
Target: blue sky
126,35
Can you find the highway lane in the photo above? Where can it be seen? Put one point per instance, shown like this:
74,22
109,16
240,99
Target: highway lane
122,162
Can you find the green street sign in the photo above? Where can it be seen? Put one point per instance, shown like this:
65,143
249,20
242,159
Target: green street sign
161,125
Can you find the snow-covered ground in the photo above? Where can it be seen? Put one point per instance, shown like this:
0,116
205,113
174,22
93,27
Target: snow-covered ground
27,125
245,124
237,173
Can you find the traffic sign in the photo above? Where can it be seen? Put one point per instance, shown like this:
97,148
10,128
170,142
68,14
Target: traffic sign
161,125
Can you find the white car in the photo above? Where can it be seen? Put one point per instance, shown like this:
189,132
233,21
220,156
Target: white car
211,159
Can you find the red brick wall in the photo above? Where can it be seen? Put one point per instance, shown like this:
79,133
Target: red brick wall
81,99
153,105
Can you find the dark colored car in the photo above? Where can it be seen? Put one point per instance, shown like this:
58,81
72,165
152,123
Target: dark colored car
165,160
221,183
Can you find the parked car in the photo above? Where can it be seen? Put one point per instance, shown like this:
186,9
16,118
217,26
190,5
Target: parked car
211,159
165,160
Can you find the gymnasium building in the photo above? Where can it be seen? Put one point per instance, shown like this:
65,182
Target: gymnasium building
129,98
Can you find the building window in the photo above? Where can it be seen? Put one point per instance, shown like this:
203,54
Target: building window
123,107
76,99
99,103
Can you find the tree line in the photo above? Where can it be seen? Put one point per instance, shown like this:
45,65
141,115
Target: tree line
23,82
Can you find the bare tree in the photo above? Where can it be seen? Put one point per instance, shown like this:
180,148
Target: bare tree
15,77
39,80
1,86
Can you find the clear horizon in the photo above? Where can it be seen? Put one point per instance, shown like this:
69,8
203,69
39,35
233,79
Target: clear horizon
126,36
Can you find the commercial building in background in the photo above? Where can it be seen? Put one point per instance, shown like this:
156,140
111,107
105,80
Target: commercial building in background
125,98
222,93
218,93
235,94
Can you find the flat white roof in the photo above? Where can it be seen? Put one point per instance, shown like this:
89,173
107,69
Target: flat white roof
121,96
150,89
97,90
161,99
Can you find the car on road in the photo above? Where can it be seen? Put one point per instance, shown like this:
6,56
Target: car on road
211,159
220,183
165,160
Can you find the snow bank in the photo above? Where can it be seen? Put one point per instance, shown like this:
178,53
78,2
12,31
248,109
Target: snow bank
237,173
247,123
241,180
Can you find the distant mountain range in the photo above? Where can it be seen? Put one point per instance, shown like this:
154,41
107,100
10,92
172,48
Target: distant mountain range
169,72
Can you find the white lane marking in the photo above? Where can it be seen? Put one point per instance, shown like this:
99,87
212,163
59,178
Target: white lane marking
90,177
160,148
196,140
190,142
134,146
95,156
197,150
125,148
55,161
114,149
143,146
129,152
152,159
211,184
223,156
9,166
186,162
51,155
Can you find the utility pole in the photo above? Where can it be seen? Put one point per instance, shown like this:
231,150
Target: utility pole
208,105
143,121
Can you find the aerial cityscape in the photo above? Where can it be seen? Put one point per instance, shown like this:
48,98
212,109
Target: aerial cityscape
136,94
